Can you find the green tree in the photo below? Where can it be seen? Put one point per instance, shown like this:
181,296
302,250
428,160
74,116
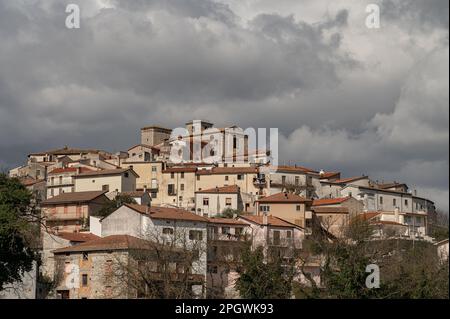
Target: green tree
16,221
229,213
112,205
261,277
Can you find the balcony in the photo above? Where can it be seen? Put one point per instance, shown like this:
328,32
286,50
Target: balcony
259,182
227,237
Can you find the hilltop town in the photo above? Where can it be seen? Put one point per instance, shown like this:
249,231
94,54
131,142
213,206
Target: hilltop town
205,209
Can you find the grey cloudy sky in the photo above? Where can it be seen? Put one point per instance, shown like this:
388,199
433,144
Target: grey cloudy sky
345,97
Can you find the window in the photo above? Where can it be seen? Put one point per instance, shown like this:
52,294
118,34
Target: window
283,179
349,194
225,230
154,194
171,189
167,231
276,237
394,202
226,177
182,175
60,180
288,234
297,180
206,201
181,187
154,168
228,201
240,177
406,202
238,231
198,177
212,269
264,208
93,181
298,208
105,188
195,235
84,280
381,199
85,256
126,174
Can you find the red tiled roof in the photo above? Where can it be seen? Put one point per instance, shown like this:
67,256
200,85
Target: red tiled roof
272,221
230,221
348,179
113,242
69,169
221,190
76,197
330,174
283,198
77,237
330,210
144,145
293,169
329,201
29,181
158,212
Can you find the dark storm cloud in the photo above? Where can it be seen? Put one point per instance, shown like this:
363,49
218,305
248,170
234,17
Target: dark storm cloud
344,97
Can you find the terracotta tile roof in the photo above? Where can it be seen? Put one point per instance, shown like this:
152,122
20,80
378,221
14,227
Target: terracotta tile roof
389,185
76,197
113,242
221,190
77,237
330,210
272,221
158,212
293,169
228,170
69,170
283,198
228,221
144,145
329,201
327,175
349,179
29,181
384,190
106,172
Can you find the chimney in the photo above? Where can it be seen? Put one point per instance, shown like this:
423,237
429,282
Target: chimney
265,219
